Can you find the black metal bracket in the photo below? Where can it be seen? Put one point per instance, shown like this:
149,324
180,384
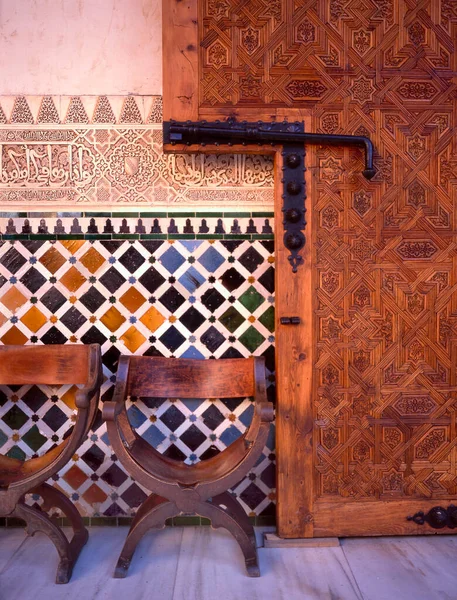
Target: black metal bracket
293,139
437,517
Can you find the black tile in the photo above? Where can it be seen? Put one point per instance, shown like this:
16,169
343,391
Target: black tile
111,245
212,339
267,279
132,259
3,280
172,299
172,339
231,403
192,319
134,496
114,476
175,453
251,259
33,280
112,280
232,279
110,358
212,417
53,299
92,299
3,397
152,351
231,353
212,299
55,418
13,260
232,245
193,437
54,336
269,245
151,245
210,452
73,319
151,280
34,398
15,418
252,496
268,476
93,336
114,510
94,457
269,355
173,418
32,245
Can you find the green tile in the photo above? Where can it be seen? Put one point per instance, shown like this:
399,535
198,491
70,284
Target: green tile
205,522
268,319
180,215
125,215
153,236
209,215
186,521
97,214
263,236
209,236
251,299
98,236
48,236
125,236
13,215
64,215
237,236
181,236
236,215
67,236
16,452
231,319
153,215
124,521
34,439
251,339
264,215
105,521
15,236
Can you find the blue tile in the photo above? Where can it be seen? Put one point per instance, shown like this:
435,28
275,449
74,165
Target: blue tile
3,438
171,260
153,436
192,352
246,416
191,245
230,435
211,259
191,279
136,417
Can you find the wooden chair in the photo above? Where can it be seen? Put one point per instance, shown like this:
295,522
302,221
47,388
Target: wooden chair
53,365
178,488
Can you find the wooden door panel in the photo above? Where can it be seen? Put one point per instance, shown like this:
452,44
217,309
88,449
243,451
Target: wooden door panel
367,390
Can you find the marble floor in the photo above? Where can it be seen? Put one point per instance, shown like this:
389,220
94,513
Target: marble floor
204,564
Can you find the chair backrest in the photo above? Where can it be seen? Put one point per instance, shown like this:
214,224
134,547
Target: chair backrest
54,364
188,378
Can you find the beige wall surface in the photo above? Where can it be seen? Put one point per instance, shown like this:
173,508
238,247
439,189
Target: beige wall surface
80,47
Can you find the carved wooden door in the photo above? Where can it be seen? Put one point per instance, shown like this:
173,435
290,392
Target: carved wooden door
367,383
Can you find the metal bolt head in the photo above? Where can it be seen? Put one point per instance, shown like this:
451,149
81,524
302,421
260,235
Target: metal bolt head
294,241
293,188
293,215
293,161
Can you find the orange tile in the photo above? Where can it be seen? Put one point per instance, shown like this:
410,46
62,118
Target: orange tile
75,477
133,339
132,299
94,494
113,319
72,279
92,260
13,299
34,319
13,336
72,245
69,397
52,260
152,319
3,319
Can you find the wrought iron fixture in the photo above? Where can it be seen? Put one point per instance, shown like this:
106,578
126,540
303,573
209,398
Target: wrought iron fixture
437,517
293,138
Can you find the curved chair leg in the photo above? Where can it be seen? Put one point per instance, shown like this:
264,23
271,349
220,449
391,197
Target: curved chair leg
153,516
235,509
36,520
222,518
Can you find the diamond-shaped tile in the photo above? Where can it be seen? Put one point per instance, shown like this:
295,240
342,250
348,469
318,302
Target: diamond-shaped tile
114,476
15,418
13,336
211,259
212,339
231,319
93,457
212,417
251,259
13,260
133,496
53,299
251,339
267,279
92,260
94,495
232,279
268,319
132,259
192,319
75,477
193,437
132,299
92,299
72,279
153,436
113,319
251,299
133,339
52,260
151,280
191,280
33,280
93,336
172,299
34,439
252,496
53,336
152,319
34,398
172,418
13,299
55,418
73,319
172,339
212,299
112,280
171,259
34,319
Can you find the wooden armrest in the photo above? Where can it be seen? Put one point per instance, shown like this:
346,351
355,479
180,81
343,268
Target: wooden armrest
266,411
111,410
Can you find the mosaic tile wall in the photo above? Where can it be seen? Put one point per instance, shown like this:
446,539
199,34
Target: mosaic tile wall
198,285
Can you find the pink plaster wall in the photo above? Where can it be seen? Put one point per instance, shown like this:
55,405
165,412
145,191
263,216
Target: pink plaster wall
80,47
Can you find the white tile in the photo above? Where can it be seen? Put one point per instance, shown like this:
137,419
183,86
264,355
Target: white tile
211,566
10,541
397,568
152,570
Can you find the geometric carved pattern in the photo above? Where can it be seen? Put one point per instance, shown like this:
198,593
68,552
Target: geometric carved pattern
386,372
